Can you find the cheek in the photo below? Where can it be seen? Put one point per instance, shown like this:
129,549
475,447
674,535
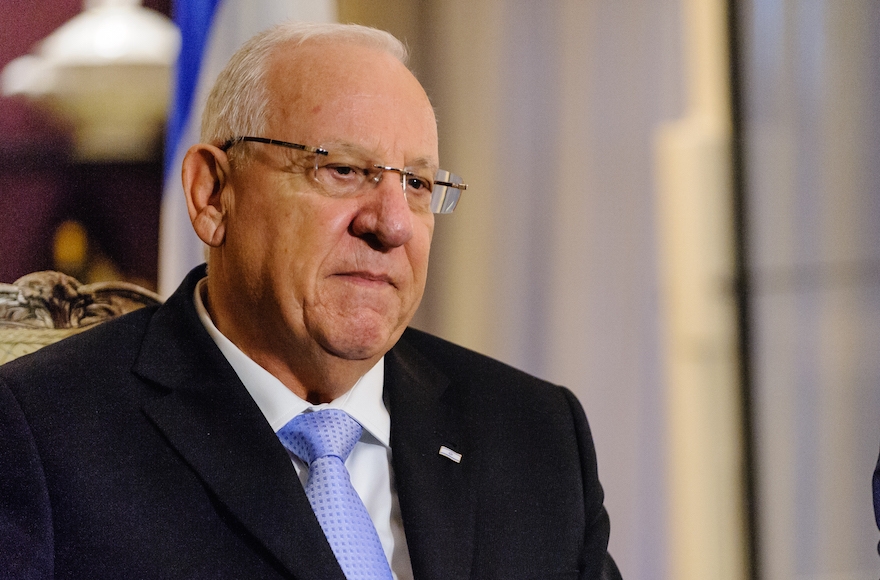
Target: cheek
309,221
246,240
310,237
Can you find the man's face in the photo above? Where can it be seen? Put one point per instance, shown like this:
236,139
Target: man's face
341,274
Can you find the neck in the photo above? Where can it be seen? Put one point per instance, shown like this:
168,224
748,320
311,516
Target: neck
328,380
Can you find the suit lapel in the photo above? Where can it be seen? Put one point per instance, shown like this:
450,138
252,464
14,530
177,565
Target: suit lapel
213,423
435,500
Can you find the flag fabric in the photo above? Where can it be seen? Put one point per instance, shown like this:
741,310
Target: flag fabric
211,31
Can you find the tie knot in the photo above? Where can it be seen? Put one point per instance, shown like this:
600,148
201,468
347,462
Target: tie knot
321,434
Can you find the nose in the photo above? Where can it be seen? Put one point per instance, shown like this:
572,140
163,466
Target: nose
384,219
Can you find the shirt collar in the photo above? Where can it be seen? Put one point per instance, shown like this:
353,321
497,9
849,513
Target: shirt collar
279,404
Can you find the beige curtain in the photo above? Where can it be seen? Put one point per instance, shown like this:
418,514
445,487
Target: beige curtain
549,110
593,249
568,120
812,72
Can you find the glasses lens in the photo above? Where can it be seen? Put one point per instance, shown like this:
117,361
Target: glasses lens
446,192
342,173
417,189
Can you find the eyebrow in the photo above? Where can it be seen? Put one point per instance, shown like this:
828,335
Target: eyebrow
347,147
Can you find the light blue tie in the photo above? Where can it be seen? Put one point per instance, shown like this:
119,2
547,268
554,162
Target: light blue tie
324,439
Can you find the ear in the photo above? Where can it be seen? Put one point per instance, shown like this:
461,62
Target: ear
205,175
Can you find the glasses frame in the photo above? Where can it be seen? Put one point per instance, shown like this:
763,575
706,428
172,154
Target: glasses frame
443,206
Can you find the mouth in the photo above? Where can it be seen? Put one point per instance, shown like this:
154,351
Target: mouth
365,278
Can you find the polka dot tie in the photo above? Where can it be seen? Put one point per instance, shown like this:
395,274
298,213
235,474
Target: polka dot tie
324,439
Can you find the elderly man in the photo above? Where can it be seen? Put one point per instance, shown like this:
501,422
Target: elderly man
206,438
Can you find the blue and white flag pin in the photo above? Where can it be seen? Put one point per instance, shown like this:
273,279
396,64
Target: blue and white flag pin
450,454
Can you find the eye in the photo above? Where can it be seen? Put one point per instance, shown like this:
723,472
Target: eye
345,170
418,184
341,176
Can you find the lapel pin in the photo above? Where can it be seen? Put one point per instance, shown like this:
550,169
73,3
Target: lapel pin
450,454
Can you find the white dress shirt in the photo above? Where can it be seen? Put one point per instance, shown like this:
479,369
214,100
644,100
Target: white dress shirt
369,462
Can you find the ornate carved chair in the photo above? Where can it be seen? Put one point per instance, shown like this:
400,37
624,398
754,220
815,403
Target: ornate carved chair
44,307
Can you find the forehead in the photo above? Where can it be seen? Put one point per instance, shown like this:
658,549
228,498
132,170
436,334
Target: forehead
322,93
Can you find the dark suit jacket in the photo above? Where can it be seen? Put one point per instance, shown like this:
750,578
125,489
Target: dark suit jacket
876,486
133,451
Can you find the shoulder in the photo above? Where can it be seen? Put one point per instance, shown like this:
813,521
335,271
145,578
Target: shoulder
484,380
458,362
514,426
498,401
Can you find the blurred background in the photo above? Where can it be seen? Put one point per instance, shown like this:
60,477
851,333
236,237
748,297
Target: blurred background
673,209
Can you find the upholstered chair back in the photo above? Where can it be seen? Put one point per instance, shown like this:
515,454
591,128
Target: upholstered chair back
44,307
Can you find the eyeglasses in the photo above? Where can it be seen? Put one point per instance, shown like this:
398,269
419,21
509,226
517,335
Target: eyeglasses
348,171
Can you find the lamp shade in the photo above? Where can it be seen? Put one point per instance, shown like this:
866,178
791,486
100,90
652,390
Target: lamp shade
108,72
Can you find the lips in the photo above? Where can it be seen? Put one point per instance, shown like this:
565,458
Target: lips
367,278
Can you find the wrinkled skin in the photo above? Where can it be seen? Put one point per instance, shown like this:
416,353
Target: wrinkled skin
315,288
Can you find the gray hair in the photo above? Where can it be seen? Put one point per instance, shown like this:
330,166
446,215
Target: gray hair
238,102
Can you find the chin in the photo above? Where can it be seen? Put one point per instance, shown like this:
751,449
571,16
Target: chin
360,333
355,351
359,343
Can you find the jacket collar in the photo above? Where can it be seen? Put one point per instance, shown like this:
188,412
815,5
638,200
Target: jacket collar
209,418
207,415
435,497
